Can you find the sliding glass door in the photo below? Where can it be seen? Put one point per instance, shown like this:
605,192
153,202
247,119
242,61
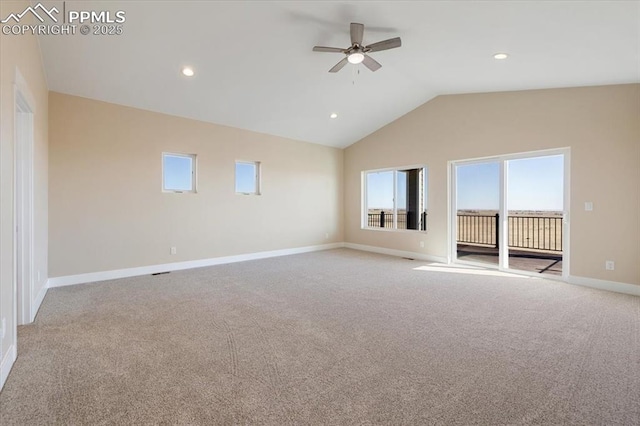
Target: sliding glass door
511,212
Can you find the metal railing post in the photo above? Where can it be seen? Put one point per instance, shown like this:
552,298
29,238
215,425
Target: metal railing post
497,230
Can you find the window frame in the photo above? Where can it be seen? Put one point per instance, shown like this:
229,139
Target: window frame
364,210
257,181
194,174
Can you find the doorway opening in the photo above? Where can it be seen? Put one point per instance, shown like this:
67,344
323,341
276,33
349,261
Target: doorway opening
511,212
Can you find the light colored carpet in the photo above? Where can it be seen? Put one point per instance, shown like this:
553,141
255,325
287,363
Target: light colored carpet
335,337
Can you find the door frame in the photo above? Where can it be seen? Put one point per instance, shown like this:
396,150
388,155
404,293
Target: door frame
23,202
502,235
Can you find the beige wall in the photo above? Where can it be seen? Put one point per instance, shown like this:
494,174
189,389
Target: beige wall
601,125
22,53
107,210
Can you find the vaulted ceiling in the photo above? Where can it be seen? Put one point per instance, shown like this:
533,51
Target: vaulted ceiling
254,67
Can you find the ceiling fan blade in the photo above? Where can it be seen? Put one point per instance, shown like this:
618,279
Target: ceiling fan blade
337,67
371,63
384,45
328,49
357,31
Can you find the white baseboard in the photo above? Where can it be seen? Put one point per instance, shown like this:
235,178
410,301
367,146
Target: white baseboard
397,253
177,266
7,363
581,281
146,270
605,285
38,301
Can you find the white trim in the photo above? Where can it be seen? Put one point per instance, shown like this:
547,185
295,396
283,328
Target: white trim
503,224
392,169
397,253
514,156
7,363
566,219
395,200
502,160
378,229
21,84
614,286
452,249
145,270
177,266
35,306
363,199
256,178
364,207
44,71
23,199
194,173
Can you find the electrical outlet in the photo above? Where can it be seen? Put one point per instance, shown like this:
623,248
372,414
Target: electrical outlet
588,206
421,244
609,265
174,250
326,235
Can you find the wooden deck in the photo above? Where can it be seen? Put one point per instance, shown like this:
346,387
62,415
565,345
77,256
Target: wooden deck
532,261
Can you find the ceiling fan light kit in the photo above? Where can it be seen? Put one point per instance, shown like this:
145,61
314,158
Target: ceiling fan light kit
357,52
355,57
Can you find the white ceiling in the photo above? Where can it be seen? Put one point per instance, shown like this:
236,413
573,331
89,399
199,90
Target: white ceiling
255,69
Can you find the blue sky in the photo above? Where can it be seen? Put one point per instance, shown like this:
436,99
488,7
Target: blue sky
245,177
177,173
380,190
478,186
533,184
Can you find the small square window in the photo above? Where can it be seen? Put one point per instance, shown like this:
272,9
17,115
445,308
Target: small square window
248,177
178,172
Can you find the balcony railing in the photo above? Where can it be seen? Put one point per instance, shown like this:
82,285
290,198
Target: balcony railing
385,220
527,232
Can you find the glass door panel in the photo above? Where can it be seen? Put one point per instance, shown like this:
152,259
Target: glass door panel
477,216
535,205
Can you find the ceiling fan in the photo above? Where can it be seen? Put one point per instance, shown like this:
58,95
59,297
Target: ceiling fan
357,52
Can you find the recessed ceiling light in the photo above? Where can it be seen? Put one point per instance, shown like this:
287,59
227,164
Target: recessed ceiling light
188,71
333,115
500,56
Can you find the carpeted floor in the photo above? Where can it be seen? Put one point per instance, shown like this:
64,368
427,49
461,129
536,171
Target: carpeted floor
334,337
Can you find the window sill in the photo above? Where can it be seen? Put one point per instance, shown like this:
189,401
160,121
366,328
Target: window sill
165,191
392,230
